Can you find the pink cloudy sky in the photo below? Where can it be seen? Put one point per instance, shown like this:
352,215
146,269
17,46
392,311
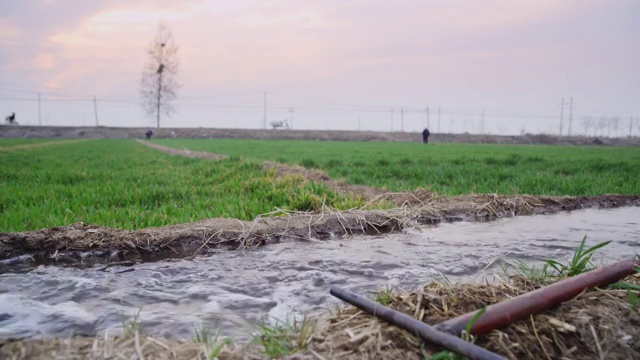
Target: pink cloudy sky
333,61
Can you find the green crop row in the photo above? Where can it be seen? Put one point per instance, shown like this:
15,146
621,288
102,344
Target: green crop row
450,169
123,184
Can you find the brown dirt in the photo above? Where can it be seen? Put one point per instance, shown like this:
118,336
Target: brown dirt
597,324
183,152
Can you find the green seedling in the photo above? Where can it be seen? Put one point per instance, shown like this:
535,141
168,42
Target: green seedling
384,297
532,272
634,299
284,338
133,325
466,335
580,263
213,345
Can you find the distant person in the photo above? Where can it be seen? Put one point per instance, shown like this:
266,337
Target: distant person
149,133
425,136
11,118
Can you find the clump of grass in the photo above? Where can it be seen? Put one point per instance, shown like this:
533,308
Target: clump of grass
466,335
532,272
634,297
580,263
212,343
284,338
384,297
309,163
133,325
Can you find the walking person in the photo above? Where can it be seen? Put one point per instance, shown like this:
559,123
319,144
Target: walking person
425,136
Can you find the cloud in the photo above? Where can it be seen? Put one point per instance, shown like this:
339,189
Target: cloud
9,33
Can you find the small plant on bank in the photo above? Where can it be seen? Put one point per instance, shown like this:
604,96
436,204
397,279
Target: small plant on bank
132,326
580,263
213,345
384,297
634,298
466,335
532,272
284,338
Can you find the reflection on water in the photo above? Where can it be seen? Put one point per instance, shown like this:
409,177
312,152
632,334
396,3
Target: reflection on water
234,290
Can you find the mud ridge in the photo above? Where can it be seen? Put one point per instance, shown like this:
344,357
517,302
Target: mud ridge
81,243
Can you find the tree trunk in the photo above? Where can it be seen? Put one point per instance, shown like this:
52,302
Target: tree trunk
159,98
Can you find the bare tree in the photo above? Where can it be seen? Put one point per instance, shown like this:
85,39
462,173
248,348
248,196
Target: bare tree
602,124
615,124
587,123
159,85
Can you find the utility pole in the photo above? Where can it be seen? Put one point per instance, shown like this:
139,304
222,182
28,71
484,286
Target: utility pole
95,109
428,125
265,109
358,124
630,125
482,123
561,114
39,112
401,120
570,114
391,119
438,118
291,112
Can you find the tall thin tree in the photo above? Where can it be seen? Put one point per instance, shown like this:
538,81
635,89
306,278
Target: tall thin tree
159,85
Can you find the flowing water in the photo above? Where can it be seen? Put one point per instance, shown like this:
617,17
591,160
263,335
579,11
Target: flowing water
234,290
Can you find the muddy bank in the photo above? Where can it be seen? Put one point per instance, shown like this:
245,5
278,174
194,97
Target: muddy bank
597,324
336,135
77,243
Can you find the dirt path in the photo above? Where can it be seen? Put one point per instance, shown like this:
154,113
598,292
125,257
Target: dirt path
184,152
32,146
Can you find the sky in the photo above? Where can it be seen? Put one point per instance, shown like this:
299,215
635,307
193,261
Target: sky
486,66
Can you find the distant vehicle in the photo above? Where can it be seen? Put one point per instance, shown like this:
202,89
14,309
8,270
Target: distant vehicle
277,124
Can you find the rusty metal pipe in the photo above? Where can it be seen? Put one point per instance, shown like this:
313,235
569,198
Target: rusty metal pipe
416,327
509,311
